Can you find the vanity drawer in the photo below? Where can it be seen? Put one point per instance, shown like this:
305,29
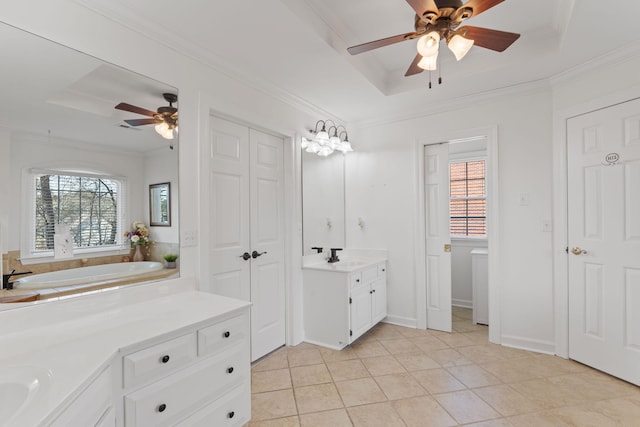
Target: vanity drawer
158,360
382,269
220,336
234,409
370,274
166,401
355,279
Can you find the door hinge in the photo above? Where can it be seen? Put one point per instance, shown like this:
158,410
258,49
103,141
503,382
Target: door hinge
350,333
350,300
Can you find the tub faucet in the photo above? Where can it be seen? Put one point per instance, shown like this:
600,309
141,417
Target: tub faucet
6,284
334,255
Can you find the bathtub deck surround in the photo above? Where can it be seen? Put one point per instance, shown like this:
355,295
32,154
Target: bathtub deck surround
82,374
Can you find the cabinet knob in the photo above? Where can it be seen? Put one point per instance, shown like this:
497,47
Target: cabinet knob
384,269
230,370
231,414
161,407
165,358
357,280
226,334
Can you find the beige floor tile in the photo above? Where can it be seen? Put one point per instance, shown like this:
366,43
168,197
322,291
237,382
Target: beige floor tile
310,375
423,412
500,422
462,312
273,404
624,410
478,337
415,333
330,355
510,371
565,417
544,365
429,344
277,379
399,386
335,418
547,394
347,370
360,392
386,331
376,415
438,381
369,349
455,340
466,407
315,398
279,422
305,357
399,346
416,361
506,400
466,326
449,357
276,360
383,365
473,376
481,353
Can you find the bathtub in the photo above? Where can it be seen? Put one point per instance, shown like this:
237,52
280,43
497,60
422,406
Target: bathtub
92,274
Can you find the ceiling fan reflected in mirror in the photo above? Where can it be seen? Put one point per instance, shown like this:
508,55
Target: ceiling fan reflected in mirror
438,20
165,119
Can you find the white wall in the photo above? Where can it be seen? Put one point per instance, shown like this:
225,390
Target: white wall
162,166
381,182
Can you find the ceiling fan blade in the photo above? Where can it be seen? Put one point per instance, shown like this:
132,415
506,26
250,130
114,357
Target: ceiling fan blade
489,39
413,68
365,47
133,109
422,6
140,122
480,6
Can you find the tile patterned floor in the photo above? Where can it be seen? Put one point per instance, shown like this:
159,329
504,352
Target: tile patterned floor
396,376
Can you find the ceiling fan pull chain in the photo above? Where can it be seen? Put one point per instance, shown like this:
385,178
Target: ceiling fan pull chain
440,74
429,79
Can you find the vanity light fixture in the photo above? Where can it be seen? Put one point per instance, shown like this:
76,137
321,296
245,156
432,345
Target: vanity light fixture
326,141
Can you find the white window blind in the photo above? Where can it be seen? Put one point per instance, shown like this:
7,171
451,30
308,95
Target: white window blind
91,205
468,204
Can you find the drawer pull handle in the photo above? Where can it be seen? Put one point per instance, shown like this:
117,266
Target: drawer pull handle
165,358
162,407
357,280
227,334
383,270
230,370
231,414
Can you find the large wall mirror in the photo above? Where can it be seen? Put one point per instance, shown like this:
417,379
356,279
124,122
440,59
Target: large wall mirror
323,202
58,114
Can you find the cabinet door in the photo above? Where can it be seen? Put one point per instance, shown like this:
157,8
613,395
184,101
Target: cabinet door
379,300
360,311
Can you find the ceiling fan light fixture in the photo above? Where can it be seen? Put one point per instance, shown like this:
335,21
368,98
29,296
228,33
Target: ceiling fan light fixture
460,46
429,63
428,44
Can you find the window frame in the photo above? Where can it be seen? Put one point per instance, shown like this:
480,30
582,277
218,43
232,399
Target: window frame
28,253
468,159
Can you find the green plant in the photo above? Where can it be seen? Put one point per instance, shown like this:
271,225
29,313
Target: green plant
170,257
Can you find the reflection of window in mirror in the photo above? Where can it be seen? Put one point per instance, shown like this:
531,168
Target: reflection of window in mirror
160,204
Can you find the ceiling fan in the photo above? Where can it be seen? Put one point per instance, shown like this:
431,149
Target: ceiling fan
437,20
165,119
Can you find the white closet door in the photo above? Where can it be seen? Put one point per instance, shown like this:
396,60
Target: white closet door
604,239
246,221
267,243
438,241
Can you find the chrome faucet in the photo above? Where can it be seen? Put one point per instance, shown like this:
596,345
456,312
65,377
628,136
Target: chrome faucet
6,284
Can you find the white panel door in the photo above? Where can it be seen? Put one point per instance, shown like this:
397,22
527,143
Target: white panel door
438,241
267,243
247,245
604,239
229,209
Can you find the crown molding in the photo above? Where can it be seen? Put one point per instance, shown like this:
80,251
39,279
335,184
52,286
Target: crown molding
115,12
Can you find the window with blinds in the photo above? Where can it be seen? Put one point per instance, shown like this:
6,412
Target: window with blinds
91,206
468,204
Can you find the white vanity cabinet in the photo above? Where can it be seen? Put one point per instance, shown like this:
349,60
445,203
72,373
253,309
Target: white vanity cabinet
200,376
340,306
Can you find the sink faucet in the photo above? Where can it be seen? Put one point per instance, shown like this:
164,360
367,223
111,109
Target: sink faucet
334,255
318,249
6,284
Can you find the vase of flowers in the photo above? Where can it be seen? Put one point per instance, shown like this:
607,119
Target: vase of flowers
138,237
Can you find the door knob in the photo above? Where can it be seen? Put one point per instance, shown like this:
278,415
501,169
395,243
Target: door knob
245,256
256,254
577,251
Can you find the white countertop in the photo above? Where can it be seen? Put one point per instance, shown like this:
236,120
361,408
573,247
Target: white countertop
76,339
351,260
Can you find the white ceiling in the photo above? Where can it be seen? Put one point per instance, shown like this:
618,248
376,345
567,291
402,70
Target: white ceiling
299,46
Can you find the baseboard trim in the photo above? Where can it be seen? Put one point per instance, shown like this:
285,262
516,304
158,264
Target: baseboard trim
462,303
401,321
538,346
